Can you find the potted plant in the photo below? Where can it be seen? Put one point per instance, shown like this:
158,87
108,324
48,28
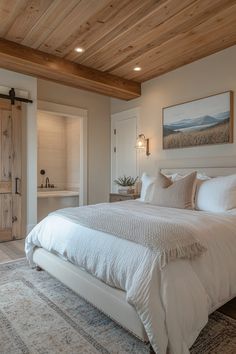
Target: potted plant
126,184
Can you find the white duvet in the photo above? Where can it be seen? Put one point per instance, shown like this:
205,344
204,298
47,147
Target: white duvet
173,303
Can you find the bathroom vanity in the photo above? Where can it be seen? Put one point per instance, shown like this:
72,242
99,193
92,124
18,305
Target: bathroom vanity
50,200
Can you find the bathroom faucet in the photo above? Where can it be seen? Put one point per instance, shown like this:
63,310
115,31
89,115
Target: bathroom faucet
47,185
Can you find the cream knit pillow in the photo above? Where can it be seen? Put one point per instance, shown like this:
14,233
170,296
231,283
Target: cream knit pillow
178,194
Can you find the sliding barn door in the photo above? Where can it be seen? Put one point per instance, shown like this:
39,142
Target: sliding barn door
10,171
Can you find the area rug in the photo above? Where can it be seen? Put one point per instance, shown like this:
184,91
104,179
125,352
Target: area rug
40,315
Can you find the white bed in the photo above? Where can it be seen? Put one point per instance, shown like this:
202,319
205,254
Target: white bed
182,294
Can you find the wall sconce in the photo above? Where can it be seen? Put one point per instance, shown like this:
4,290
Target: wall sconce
142,143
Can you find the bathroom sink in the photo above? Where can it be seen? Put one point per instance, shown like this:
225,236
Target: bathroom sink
47,193
47,189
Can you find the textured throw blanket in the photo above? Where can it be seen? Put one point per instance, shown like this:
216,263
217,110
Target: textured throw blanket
170,239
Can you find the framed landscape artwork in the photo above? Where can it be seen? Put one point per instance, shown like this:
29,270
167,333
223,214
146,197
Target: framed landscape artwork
204,121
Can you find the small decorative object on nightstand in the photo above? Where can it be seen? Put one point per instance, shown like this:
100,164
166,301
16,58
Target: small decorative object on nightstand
117,197
126,184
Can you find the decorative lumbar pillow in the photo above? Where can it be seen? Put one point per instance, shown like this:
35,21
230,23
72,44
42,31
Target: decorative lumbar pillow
147,183
178,194
217,194
201,176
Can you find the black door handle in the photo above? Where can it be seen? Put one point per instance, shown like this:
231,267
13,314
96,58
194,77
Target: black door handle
17,179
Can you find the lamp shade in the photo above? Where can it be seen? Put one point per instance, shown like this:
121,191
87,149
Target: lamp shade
141,142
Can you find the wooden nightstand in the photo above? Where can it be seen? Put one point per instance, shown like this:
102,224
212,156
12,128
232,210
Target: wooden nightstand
117,197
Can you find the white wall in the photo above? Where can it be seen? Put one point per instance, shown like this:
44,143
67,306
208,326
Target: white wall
204,77
27,83
98,107
72,153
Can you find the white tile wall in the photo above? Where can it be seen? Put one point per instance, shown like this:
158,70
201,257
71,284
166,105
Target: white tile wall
59,150
52,149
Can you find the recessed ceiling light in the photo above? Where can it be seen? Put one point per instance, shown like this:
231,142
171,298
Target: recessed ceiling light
79,50
137,68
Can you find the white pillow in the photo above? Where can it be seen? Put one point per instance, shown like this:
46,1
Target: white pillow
147,183
172,176
216,194
176,176
202,176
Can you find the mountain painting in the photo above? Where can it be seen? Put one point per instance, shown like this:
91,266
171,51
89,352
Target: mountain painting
203,121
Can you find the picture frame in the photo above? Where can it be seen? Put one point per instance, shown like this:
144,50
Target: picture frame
203,121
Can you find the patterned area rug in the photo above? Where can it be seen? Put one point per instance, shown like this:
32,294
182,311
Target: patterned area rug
40,315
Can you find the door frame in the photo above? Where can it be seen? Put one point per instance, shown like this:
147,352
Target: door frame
127,114
73,112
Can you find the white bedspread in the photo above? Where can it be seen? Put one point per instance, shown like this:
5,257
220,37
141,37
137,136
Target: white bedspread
173,303
169,238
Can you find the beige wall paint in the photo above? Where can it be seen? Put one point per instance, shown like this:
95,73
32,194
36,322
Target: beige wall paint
98,107
208,76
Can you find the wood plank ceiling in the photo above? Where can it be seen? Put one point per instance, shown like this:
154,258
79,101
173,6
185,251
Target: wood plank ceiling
117,35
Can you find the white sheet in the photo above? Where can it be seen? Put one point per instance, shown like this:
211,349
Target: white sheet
174,303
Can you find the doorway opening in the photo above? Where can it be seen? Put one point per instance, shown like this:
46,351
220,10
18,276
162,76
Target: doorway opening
124,155
62,157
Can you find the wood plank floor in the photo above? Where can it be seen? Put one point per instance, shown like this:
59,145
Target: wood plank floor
10,251
13,250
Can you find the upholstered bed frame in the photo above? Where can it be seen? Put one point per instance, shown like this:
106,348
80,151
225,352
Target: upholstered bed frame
109,300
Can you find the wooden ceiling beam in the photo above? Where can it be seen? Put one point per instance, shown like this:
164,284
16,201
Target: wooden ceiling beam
33,62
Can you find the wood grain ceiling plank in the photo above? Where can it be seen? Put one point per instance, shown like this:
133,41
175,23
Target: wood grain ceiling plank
113,50
26,18
47,23
70,24
107,25
190,17
190,55
150,60
15,57
202,45
9,9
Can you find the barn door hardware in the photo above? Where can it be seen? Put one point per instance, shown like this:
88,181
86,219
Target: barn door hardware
12,97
